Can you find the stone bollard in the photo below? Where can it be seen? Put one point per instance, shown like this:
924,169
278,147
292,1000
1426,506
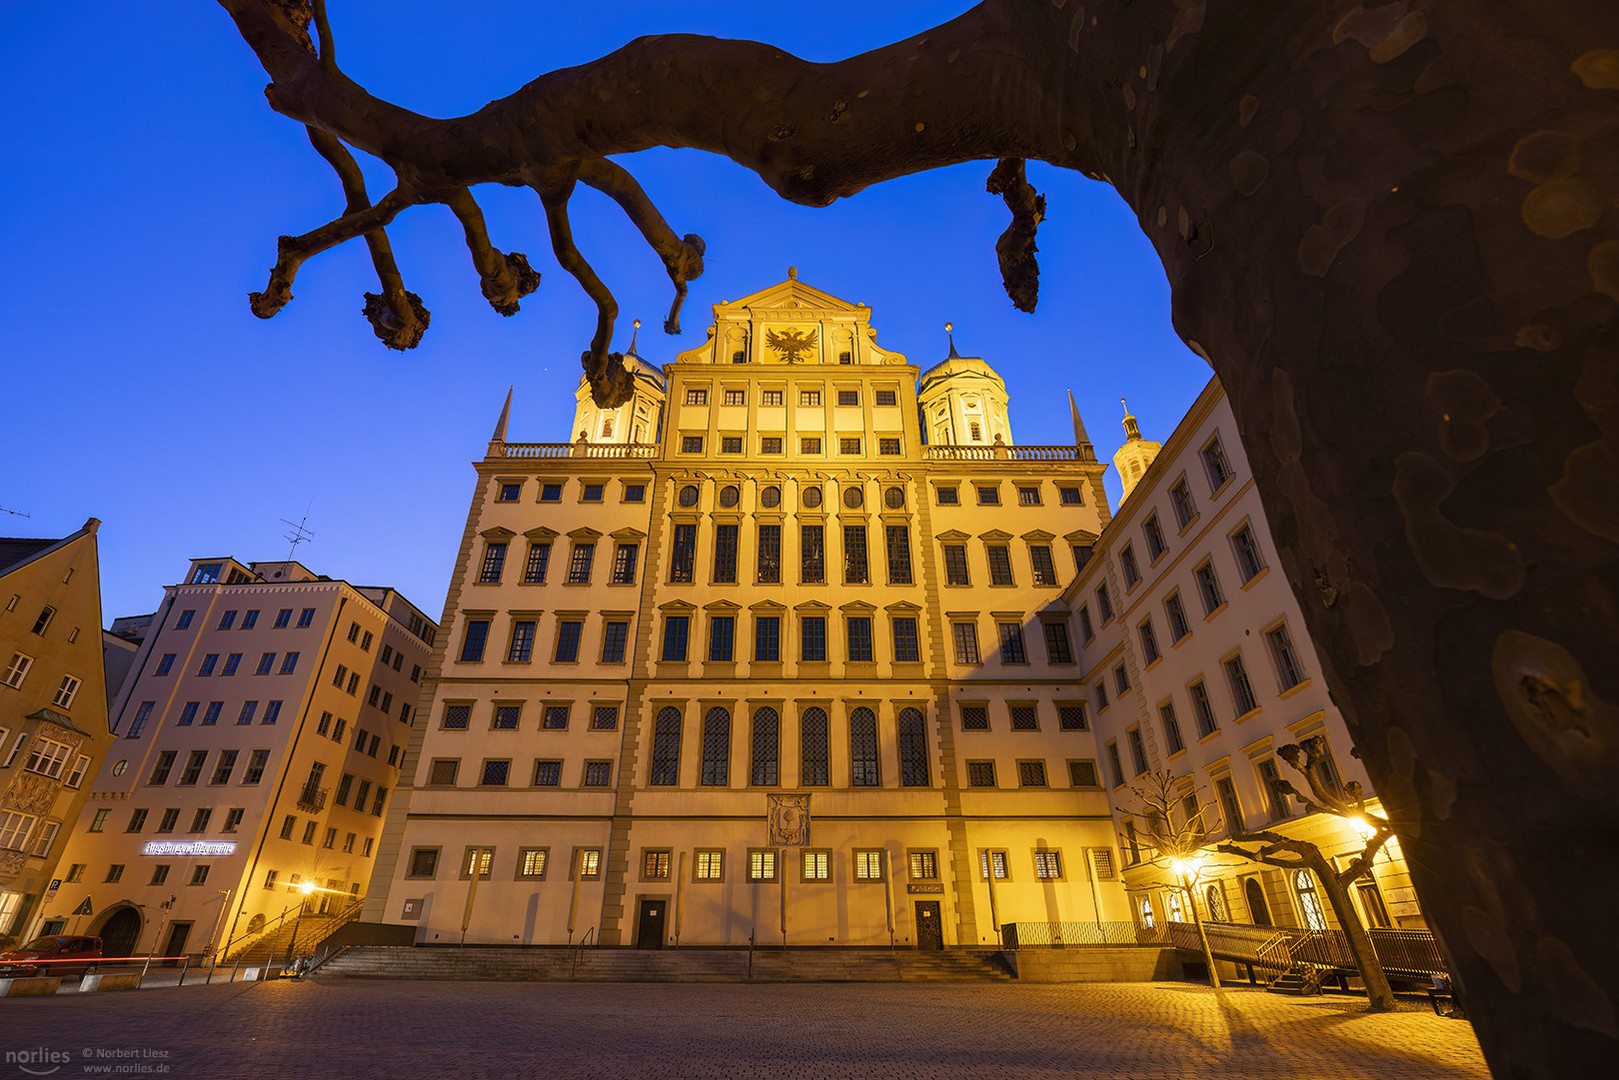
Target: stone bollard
34,986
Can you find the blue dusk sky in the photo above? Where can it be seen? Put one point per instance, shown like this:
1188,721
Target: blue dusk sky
147,181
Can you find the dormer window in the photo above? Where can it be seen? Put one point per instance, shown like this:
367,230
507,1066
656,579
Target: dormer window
976,431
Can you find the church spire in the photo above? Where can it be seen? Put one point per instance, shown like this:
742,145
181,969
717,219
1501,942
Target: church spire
1131,430
497,441
1082,438
950,332
633,336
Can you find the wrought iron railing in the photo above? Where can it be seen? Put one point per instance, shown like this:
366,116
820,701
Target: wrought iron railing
312,799
1412,954
1045,935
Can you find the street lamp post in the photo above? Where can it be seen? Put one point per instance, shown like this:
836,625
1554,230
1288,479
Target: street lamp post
308,888
1187,871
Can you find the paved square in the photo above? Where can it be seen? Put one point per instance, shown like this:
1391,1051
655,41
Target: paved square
362,1029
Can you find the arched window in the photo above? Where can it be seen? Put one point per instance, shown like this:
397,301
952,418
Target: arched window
1258,910
1173,906
812,745
1309,900
1147,919
766,748
913,748
666,749
863,769
1216,903
716,748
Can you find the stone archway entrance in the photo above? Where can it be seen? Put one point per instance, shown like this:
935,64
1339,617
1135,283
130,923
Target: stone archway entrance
120,930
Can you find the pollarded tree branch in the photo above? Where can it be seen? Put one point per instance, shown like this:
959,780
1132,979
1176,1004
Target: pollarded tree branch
682,256
610,384
1020,271
505,278
292,251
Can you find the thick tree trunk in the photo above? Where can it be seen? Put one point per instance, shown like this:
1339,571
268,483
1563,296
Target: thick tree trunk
1379,996
1395,233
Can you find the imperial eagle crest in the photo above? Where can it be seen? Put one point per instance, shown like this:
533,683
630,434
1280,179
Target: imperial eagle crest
791,343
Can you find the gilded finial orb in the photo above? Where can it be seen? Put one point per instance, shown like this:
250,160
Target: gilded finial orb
792,273
949,328
638,324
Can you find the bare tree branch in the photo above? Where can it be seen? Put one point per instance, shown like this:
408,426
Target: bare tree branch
505,278
1020,271
682,256
610,384
292,251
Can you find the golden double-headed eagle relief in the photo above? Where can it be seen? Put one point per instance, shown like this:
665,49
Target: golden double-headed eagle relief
791,343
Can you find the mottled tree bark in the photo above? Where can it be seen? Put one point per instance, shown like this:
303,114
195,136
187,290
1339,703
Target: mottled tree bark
1392,230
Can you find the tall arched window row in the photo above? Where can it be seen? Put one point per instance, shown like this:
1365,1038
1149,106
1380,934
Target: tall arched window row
766,743
813,770
863,764
716,748
913,748
666,749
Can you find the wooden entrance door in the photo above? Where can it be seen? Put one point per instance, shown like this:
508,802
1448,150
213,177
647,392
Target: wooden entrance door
929,930
649,927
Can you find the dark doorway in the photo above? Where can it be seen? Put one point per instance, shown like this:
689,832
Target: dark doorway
119,932
649,929
178,932
1258,910
929,930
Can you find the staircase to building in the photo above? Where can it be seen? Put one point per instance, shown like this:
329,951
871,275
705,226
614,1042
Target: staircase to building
1300,980
290,937
544,964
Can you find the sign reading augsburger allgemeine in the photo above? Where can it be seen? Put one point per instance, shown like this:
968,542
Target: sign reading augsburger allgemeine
189,847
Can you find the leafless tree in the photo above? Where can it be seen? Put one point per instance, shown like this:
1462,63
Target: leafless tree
1391,229
1171,819
1327,796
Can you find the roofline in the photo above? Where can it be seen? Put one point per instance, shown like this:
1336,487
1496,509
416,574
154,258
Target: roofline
89,529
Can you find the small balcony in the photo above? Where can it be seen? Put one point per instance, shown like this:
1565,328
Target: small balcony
312,799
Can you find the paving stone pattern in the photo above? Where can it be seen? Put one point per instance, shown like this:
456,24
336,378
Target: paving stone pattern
362,1029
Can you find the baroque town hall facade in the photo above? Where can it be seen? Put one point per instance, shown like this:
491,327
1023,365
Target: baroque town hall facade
777,650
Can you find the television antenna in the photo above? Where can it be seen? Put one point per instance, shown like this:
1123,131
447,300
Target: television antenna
18,513
298,533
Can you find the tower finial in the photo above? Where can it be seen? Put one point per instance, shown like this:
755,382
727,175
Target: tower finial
1082,438
950,332
1132,431
792,273
505,413
634,335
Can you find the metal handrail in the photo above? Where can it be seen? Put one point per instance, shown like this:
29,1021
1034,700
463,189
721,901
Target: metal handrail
1403,953
573,967
1057,934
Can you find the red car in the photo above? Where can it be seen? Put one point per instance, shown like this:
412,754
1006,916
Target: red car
85,951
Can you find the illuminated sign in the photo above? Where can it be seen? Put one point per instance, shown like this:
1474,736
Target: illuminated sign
189,847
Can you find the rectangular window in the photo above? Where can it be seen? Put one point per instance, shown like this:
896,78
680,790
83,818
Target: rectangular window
508,717
1012,644
170,818
1172,728
604,718
966,640
1000,564
1153,532
696,397
199,820
555,718
137,821
995,860
708,865
539,557
13,676
812,554
1214,461
1024,717
946,496
1288,668
767,638
509,493
1100,690
812,638
810,398
1121,679
1058,649
250,619
890,447
674,638
160,874
855,569
615,637
99,822
1180,497
477,633
816,865
1242,691
1028,496
184,621
579,562
691,444
547,773
731,444
761,865
1138,750
283,619
1047,865
232,661
989,496
289,663
1230,808
522,646
769,554
550,492
306,618
495,773
568,633
1203,710
1071,496
1275,796
1179,627
48,757
1031,774
809,445
494,562
1149,642
66,692
598,774
634,493
442,772
1115,767
924,865
208,662
1127,562
683,554
1071,717
847,398
770,397
211,716
1208,587
721,638
974,718
868,864
955,564
255,767
224,767
193,768
655,865
849,446
1083,774
1045,571
899,554
907,650
1249,561
457,717
725,540
592,493
859,631
770,444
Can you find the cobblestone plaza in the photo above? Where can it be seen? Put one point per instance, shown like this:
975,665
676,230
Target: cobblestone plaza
363,1029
